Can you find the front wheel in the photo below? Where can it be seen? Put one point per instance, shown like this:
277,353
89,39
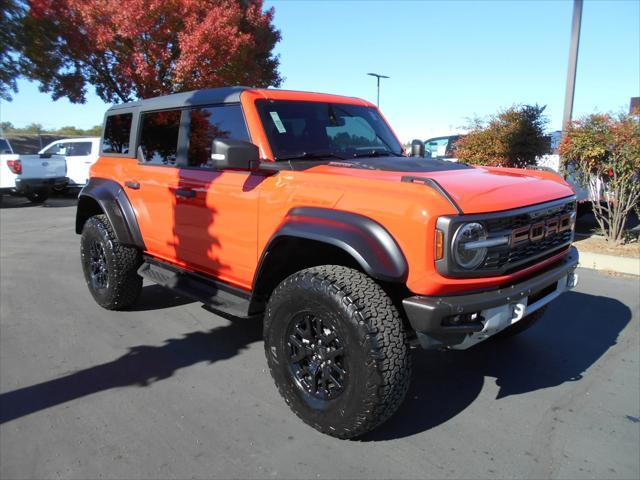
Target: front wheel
337,350
110,268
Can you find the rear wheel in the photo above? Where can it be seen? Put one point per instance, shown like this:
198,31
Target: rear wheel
39,195
110,268
337,350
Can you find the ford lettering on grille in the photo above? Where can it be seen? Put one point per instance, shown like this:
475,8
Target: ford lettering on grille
537,231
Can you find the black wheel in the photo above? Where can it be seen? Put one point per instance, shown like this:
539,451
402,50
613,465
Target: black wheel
337,350
522,325
38,196
110,268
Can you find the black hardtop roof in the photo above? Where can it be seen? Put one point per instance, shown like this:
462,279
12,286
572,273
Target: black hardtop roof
206,96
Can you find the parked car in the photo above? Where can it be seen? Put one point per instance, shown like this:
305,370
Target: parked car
80,154
441,148
301,208
30,175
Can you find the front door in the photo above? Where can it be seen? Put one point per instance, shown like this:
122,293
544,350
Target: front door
216,212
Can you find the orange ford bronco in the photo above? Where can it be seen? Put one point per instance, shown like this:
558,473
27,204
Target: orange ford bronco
304,208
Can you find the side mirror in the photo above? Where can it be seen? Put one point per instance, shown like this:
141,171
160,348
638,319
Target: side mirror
233,154
417,148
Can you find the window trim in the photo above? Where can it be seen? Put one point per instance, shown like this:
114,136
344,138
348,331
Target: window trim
134,125
177,163
188,133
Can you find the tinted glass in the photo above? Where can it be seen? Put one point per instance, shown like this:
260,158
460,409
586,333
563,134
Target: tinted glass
116,133
210,123
294,128
79,148
159,137
4,146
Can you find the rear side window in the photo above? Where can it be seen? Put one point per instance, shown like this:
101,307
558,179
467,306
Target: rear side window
78,148
116,134
159,137
206,124
4,146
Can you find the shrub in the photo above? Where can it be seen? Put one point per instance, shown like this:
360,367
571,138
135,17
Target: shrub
605,150
514,137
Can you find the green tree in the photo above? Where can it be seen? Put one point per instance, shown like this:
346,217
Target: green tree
514,137
11,16
605,150
6,127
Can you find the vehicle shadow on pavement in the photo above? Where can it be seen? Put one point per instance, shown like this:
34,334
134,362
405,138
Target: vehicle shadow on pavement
8,201
575,332
157,297
141,366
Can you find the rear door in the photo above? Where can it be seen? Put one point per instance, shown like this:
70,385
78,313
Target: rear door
79,159
152,182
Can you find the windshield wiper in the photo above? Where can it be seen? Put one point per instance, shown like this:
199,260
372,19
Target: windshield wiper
376,152
310,156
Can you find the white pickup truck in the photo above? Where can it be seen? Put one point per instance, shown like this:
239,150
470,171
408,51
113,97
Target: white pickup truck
80,154
30,175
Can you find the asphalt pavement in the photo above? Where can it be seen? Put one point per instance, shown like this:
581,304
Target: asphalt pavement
171,390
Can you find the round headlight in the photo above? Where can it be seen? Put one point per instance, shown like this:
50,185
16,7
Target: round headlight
465,253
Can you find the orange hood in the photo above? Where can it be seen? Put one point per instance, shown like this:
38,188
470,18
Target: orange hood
474,189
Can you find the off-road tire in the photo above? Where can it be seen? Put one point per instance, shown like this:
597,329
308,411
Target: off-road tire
376,351
519,327
123,284
38,196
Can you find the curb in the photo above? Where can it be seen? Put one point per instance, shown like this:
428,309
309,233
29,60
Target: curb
611,263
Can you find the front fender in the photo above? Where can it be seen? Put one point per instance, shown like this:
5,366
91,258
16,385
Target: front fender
368,242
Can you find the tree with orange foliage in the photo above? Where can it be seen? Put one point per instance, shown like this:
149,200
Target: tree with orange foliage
130,49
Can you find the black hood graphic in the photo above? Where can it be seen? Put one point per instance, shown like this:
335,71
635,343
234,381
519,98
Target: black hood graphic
388,164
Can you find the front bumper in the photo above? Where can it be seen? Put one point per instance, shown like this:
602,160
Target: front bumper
26,185
431,317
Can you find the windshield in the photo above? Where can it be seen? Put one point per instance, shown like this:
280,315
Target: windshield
317,129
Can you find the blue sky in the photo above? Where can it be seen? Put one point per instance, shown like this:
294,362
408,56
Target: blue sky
448,61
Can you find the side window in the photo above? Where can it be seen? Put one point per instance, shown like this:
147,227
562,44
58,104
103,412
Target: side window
436,148
116,134
57,149
206,124
78,148
159,137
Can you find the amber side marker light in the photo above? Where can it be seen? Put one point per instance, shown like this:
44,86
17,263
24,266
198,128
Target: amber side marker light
439,244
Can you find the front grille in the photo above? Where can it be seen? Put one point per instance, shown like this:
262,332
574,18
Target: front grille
508,258
499,224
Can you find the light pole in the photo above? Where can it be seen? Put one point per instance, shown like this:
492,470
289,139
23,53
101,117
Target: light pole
573,63
378,77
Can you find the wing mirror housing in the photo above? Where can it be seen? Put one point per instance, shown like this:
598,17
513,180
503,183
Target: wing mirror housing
229,154
417,148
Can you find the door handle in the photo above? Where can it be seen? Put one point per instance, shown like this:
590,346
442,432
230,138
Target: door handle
185,193
132,185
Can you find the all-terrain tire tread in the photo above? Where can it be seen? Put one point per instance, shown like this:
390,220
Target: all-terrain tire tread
383,332
123,276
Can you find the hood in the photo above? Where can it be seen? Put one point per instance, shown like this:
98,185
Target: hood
474,189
